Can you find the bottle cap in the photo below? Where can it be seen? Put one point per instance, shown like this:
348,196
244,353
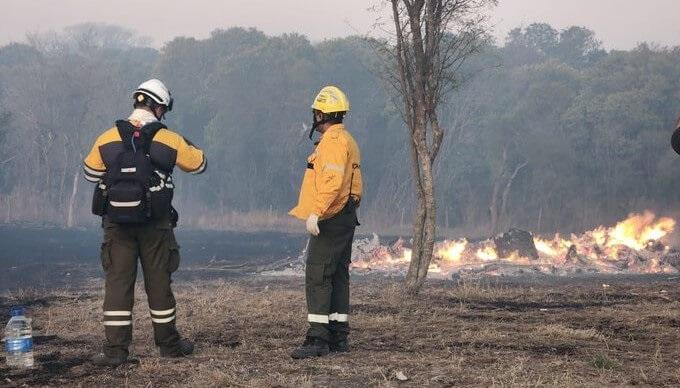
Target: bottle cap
17,311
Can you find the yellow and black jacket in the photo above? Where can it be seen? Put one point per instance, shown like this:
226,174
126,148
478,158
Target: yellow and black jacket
333,174
167,150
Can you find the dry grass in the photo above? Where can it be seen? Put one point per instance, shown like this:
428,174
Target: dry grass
472,333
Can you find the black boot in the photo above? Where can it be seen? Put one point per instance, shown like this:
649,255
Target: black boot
111,361
183,348
312,347
339,346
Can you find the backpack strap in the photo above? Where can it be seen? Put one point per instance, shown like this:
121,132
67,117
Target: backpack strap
125,130
149,131
142,141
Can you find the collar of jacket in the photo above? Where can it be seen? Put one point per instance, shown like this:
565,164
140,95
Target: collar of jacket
141,117
335,128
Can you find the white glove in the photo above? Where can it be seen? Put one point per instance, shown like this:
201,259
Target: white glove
313,224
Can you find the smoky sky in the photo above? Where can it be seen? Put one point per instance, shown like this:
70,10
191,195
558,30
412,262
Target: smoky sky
619,24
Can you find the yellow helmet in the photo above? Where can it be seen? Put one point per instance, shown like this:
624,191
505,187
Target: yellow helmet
330,100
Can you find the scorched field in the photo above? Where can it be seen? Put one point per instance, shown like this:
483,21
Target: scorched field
491,331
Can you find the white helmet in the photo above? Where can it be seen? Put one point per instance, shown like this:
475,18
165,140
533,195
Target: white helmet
156,90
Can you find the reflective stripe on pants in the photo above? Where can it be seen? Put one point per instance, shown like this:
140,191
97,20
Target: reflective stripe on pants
327,276
155,246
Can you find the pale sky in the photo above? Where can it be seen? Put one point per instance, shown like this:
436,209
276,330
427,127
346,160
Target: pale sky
620,24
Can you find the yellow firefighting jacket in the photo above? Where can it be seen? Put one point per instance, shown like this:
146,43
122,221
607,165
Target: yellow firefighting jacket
333,172
168,149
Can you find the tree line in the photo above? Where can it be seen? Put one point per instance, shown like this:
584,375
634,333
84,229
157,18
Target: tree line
548,131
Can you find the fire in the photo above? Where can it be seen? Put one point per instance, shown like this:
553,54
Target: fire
639,229
452,251
634,245
486,253
546,247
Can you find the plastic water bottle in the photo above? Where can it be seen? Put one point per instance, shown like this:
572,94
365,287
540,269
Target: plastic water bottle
19,339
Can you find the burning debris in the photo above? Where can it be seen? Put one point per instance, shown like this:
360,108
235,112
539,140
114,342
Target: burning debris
516,241
634,245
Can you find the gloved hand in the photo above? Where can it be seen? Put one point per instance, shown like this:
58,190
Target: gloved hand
313,224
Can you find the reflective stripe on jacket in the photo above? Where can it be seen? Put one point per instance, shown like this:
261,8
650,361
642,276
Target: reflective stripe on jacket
333,171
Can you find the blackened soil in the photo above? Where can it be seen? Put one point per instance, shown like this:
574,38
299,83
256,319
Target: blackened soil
44,258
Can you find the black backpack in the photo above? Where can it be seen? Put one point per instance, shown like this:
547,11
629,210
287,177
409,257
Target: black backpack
133,190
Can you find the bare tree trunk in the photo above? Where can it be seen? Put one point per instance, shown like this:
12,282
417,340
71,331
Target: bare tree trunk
506,191
425,223
62,182
9,207
418,218
493,206
72,200
416,254
401,223
430,223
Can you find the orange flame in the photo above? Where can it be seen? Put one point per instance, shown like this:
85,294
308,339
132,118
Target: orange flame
452,251
486,253
639,229
624,247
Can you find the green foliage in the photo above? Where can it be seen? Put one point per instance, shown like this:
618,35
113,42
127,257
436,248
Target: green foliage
593,126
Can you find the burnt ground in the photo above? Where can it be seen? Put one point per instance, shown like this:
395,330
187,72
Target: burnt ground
45,258
489,331
542,330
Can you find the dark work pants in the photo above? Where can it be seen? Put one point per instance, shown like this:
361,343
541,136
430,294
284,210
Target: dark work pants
155,246
327,276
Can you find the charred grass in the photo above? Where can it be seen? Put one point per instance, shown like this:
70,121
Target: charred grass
481,333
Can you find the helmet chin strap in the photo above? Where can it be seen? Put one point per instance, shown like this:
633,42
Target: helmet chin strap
327,118
162,115
315,126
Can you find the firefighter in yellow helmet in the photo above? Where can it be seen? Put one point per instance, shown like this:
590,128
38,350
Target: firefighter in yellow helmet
330,194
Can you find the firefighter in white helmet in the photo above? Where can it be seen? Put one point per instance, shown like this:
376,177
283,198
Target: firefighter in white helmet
131,165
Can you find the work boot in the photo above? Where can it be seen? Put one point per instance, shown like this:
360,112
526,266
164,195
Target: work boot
183,348
111,361
312,347
339,346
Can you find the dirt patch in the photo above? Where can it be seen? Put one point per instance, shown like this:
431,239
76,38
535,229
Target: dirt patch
469,333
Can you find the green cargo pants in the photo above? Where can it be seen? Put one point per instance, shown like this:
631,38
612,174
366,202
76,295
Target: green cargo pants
327,276
155,245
